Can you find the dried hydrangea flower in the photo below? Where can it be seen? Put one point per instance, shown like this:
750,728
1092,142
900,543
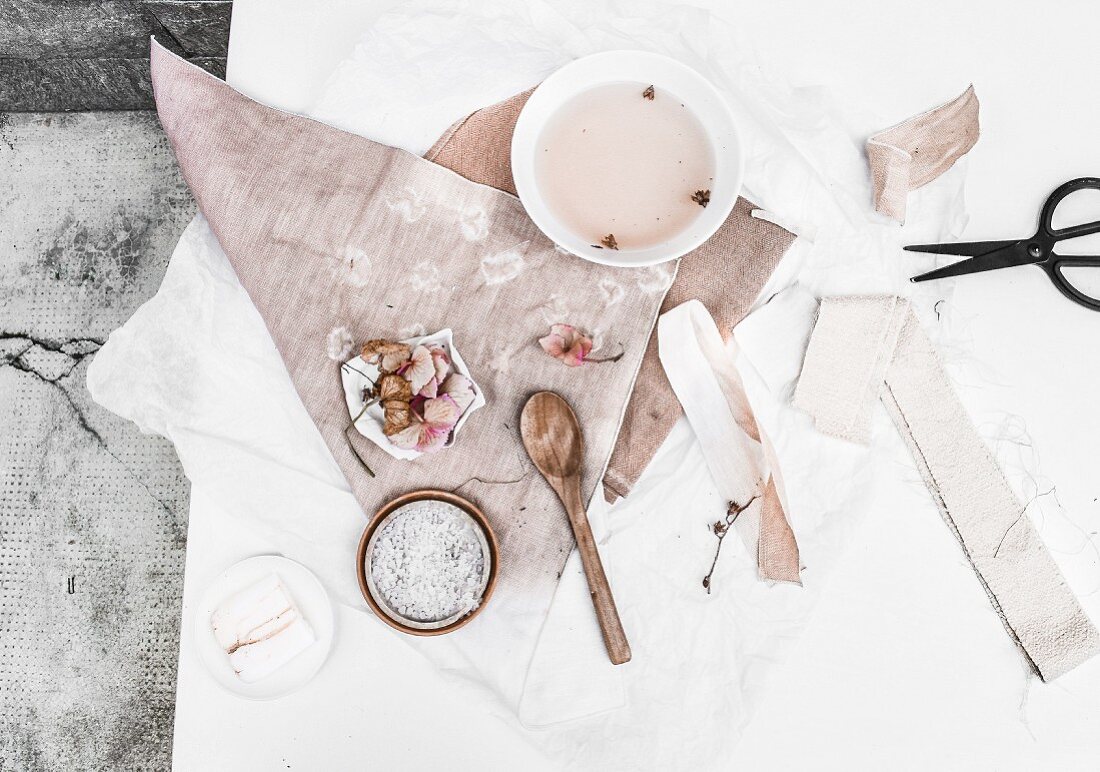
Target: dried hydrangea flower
460,389
567,344
396,418
441,361
429,432
420,368
392,386
442,364
388,355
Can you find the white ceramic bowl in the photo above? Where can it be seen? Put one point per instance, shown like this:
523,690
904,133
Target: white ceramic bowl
642,67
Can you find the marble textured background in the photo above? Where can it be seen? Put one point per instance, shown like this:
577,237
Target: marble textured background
93,515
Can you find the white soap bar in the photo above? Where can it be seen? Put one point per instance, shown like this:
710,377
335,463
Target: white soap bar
261,629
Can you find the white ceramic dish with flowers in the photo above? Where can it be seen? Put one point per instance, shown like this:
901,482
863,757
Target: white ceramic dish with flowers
410,397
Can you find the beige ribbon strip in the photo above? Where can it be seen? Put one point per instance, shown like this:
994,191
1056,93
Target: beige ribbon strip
700,367
915,152
865,348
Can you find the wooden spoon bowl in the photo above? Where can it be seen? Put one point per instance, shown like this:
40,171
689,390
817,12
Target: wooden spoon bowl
554,442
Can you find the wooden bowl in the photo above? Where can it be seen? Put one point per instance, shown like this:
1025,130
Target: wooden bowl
390,617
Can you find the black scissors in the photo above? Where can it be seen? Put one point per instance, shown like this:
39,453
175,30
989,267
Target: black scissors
1037,250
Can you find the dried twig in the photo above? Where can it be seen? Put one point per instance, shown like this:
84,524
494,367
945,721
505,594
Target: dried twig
612,358
351,445
357,370
721,528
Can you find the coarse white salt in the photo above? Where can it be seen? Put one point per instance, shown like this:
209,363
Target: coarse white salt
428,563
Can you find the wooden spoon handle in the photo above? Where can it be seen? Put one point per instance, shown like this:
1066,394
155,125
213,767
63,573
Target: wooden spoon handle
614,638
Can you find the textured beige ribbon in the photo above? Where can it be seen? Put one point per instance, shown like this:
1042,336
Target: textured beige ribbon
867,348
701,369
915,152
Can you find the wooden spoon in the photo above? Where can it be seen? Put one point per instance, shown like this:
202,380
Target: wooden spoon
553,440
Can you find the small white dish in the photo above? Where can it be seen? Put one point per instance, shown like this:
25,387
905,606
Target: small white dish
663,72
313,603
355,378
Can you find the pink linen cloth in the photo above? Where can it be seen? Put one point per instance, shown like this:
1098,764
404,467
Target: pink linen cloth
328,230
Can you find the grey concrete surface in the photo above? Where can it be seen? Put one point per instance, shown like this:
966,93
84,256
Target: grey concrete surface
92,513
94,54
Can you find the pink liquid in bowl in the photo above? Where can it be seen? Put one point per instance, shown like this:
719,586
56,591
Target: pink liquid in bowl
611,162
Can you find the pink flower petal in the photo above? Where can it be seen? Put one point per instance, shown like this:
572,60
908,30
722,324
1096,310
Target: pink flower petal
441,362
431,388
567,344
409,437
432,437
420,369
442,411
422,436
554,345
459,388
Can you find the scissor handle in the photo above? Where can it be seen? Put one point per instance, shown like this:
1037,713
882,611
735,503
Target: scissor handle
1047,215
1054,266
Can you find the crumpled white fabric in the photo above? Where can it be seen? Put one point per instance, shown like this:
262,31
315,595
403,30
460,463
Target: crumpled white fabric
197,365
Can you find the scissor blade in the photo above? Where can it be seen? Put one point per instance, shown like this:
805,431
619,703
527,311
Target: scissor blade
962,248
1011,255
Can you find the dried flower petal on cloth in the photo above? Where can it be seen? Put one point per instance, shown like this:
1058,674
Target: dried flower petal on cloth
566,343
917,151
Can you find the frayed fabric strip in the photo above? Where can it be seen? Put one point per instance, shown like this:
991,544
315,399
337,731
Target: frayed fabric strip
701,369
840,382
915,152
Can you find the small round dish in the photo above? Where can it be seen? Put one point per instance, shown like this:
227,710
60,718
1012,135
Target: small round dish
700,96
308,594
366,547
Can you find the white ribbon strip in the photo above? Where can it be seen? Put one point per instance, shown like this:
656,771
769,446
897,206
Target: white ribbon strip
865,348
700,367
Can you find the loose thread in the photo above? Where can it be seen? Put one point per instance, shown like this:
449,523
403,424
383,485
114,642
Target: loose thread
525,475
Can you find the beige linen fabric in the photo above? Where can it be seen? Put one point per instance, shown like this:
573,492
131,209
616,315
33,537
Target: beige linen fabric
725,274
839,384
327,229
920,149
